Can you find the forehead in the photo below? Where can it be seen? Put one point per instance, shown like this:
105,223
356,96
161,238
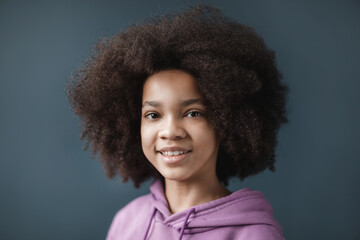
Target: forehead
170,84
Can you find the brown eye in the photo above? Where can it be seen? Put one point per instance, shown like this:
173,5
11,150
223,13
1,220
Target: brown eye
193,114
152,115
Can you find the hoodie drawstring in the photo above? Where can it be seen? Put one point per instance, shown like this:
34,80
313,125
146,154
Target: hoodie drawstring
191,210
149,224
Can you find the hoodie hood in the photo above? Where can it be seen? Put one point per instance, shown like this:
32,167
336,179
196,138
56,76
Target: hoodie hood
241,208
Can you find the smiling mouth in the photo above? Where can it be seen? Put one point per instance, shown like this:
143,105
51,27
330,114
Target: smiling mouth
175,157
174,153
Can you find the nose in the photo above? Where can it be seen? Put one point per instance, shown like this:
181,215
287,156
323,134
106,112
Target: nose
172,129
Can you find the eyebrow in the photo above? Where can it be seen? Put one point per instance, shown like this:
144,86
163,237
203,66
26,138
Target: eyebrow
184,103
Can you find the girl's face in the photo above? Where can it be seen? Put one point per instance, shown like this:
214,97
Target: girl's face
176,136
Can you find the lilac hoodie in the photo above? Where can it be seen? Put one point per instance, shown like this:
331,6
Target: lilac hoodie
243,215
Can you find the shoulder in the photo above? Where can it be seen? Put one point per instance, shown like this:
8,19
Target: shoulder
257,213
245,214
125,217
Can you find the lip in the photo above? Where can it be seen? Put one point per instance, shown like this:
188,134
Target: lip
174,159
173,149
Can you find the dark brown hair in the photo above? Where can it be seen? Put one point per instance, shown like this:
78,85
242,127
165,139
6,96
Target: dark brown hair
235,71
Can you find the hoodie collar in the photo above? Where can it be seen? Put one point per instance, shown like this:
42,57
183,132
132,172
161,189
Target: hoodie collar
243,207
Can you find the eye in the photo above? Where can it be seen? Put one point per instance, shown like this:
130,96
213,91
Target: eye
193,114
152,115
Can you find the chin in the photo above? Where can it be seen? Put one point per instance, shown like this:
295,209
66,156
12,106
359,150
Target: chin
174,176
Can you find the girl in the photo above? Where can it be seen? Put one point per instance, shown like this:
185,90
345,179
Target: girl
189,99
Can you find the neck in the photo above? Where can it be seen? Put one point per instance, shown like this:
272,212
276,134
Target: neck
183,195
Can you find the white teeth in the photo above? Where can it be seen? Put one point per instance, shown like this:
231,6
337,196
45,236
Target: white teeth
168,153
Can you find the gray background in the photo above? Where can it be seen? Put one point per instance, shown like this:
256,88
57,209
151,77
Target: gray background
51,189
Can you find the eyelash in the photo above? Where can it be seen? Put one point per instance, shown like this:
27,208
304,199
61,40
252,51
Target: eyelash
149,114
198,114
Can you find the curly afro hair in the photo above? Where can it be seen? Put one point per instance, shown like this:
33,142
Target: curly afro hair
235,72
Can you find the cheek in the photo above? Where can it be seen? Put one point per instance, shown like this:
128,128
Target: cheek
205,135
148,138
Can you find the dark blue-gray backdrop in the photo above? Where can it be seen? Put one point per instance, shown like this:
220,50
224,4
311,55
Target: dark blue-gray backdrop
51,189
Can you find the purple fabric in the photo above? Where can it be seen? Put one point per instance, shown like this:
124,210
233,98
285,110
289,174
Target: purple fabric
243,215
191,210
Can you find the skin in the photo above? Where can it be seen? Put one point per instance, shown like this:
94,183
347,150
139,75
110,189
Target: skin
173,115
